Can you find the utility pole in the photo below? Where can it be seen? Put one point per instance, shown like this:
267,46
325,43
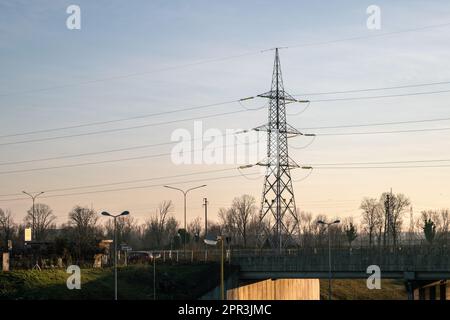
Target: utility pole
387,208
205,204
411,224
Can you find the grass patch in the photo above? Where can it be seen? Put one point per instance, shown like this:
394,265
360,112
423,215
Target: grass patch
356,289
134,282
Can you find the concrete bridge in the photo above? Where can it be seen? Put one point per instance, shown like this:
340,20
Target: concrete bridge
410,263
424,269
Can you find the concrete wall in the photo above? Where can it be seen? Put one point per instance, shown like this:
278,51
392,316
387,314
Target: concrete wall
231,282
278,289
433,291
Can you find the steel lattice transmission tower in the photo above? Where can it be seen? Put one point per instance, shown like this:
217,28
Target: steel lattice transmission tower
278,200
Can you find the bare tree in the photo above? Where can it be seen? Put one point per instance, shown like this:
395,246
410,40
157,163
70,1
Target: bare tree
83,219
43,220
154,230
7,226
227,223
195,228
128,230
445,223
306,228
401,203
394,209
243,209
171,230
319,230
372,217
83,222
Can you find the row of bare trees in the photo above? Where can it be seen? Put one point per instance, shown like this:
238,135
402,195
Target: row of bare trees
381,224
383,221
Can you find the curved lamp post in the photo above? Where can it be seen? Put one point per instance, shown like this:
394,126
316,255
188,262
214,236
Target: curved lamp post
328,224
214,242
104,213
33,197
185,192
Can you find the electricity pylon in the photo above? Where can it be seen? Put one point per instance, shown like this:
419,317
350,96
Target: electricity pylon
278,202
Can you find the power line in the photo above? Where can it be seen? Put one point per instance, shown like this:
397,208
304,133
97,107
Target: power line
130,75
81,164
174,121
124,182
381,96
381,132
122,129
172,142
375,35
89,124
377,124
374,89
218,59
196,118
105,151
378,162
388,167
123,189
169,153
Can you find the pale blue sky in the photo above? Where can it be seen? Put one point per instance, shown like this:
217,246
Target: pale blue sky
118,38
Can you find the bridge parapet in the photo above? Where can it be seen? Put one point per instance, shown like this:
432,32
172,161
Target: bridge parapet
399,261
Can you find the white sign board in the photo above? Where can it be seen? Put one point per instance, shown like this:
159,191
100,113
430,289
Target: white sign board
5,261
28,234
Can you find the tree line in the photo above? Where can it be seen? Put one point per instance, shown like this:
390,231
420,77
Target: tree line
382,224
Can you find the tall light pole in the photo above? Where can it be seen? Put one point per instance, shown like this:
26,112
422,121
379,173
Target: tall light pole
328,224
185,192
213,242
33,197
104,213
154,257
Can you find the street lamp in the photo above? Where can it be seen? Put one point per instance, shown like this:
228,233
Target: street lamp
33,228
328,224
104,213
185,192
154,257
33,197
213,242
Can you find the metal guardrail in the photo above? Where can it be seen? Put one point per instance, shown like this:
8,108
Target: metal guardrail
402,259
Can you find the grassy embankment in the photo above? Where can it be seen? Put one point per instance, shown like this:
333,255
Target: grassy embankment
356,289
173,282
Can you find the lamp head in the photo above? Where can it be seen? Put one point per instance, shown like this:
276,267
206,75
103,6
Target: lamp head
210,242
104,213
